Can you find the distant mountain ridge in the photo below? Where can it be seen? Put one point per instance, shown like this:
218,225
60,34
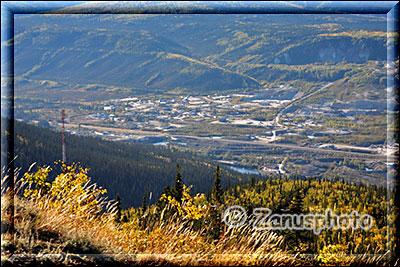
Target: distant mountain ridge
198,53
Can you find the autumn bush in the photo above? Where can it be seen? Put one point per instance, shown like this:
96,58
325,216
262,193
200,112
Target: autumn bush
67,220
69,215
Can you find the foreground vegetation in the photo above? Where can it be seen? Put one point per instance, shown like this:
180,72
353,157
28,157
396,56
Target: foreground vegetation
66,221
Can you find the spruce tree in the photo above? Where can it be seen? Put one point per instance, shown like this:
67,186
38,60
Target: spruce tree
217,199
217,189
178,188
142,221
166,191
144,205
296,202
160,204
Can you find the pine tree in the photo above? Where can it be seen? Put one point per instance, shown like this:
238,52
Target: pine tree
296,203
160,204
166,191
178,188
143,217
144,205
217,189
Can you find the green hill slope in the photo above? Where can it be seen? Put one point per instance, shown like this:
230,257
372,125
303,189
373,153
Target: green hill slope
197,53
127,169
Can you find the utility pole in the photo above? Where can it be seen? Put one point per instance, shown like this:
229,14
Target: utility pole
64,158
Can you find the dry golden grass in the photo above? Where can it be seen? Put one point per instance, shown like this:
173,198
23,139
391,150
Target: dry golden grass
57,234
48,230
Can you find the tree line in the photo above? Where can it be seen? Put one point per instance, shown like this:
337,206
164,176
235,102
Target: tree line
125,168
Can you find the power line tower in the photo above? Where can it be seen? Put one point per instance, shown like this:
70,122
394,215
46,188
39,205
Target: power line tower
64,158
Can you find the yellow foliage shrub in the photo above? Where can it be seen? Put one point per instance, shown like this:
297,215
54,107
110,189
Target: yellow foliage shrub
191,207
333,255
71,189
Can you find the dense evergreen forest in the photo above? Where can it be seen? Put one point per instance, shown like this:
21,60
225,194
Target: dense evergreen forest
290,195
124,168
311,195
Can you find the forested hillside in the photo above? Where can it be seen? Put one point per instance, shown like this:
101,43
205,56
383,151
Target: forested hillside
127,169
196,53
70,211
310,195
